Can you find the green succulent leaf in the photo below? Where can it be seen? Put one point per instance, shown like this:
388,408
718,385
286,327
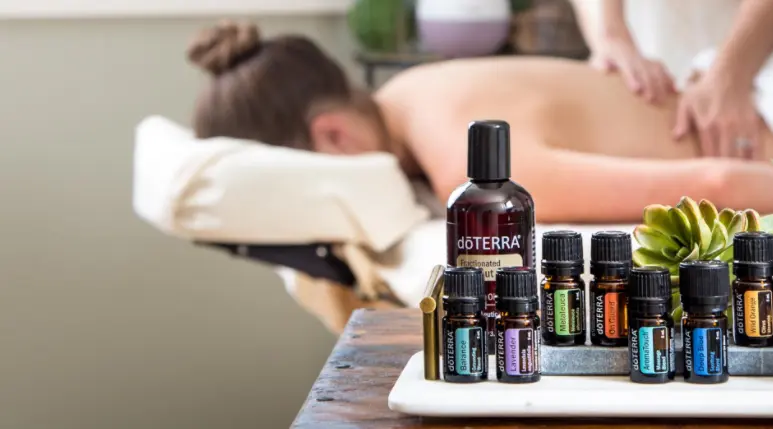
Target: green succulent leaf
708,211
682,225
677,313
727,255
766,223
752,220
694,254
683,252
737,224
652,239
701,234
644,257
671,255
719,240
725,216
656,216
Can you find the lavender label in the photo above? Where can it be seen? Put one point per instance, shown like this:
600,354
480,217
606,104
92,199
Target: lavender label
519,352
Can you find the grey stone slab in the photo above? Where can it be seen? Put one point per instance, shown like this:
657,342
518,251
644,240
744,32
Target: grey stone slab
592,360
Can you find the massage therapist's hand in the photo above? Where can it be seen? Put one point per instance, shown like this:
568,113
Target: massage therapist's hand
721,110
644,77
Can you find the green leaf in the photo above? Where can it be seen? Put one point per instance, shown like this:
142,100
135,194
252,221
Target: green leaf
677,313
682,225
652,239
725,216
656,216
719,240
752,220
766,223
708,212
683,252
701,234
727,255
644,257
671,255
737,224
694,255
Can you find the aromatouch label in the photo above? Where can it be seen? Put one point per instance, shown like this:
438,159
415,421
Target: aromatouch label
653,350
519,351
754,313
465,351
608,316
704,350
567,311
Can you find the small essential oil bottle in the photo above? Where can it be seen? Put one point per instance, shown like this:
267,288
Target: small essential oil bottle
490,219
518,335
610,265
752,294
650,326
563,291
705,289
464,326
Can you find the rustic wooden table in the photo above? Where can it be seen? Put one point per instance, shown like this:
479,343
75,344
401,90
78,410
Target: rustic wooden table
352,388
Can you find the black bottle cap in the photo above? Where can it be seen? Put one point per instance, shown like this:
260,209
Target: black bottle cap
753,254
488,150
517,290
562,253
464,290
610,253
704,286
649,290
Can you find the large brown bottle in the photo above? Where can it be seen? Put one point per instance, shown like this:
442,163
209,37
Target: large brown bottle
490,219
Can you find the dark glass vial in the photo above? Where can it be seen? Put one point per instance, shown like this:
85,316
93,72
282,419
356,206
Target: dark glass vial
752,289
650,327
464,326
518,334
610,265
563,290
490,219
705,289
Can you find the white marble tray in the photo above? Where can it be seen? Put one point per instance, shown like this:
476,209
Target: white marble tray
573,396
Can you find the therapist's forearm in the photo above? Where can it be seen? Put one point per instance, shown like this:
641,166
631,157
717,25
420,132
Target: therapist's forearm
750,42
601,19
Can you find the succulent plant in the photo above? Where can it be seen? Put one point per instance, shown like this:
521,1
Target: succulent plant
689,231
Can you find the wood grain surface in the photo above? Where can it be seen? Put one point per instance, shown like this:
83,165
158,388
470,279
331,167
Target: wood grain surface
352,389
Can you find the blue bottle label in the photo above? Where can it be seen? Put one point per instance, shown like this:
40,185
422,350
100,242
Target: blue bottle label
469,351
654,356
707,350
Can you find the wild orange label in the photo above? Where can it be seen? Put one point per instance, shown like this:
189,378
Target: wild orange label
614,315
758,314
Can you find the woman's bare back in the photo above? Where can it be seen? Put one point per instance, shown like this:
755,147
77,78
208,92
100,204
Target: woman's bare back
560,103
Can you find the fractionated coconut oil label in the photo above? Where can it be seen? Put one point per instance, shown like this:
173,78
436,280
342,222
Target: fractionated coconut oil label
754,313
609,314
654,350
520,355
465,352
704,349
567,311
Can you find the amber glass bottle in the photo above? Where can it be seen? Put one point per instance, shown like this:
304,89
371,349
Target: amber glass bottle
563,290
650,326
490,219
610,265
465,359
705,289
752,289
518,334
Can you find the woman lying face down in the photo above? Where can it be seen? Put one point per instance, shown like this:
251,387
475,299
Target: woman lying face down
585,147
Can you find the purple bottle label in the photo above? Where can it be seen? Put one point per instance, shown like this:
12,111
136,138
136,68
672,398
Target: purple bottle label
519,351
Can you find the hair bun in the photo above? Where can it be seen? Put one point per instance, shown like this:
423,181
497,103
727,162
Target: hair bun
220,48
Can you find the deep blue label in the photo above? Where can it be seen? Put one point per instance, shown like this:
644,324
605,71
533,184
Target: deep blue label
707,351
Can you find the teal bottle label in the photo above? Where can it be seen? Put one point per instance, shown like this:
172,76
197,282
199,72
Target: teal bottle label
707,351
654,353
469,353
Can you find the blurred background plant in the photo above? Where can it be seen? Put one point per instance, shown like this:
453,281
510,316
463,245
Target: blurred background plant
691,231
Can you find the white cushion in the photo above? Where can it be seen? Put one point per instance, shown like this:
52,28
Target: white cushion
235,191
